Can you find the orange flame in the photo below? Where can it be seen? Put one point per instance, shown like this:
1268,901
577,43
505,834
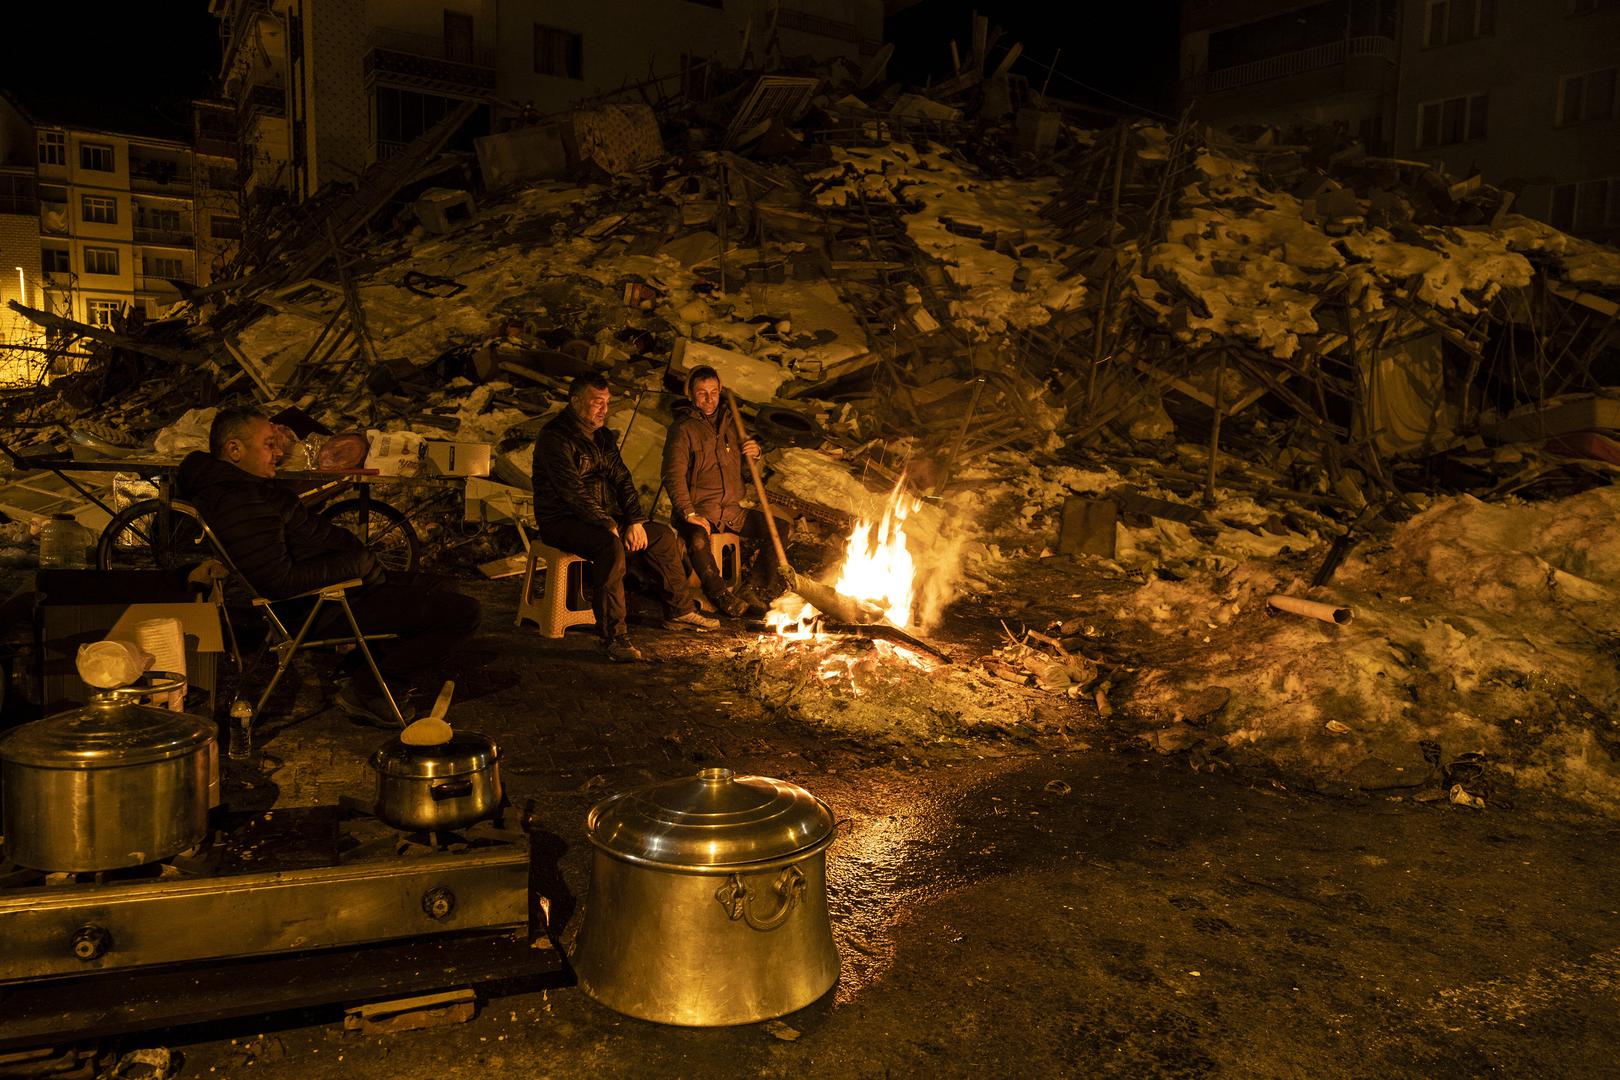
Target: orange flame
878,567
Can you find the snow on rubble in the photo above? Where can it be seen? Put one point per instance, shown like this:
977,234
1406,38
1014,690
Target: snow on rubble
1487,627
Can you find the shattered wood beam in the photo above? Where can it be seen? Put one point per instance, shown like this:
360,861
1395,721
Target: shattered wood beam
188,357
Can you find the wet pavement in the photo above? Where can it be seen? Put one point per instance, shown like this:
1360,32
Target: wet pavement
1026,906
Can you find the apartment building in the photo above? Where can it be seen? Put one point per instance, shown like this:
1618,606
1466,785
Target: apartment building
1281,61
1524,91
325,87
94,222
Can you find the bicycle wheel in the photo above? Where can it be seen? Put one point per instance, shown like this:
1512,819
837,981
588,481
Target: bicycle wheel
384,530
150,535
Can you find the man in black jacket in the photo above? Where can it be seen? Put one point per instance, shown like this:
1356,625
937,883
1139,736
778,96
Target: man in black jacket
586,503
284,550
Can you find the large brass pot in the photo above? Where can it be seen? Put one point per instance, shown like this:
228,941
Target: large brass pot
110,785
708,901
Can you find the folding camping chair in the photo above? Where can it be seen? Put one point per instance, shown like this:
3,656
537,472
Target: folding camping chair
286,643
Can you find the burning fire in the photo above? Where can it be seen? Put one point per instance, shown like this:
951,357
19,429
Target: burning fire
877,566
878,571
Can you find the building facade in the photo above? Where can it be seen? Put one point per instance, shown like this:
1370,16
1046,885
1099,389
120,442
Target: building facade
325,87
1523,91
94,223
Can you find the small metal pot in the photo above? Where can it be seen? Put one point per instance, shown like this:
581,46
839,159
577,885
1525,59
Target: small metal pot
429,788
111,785
708,901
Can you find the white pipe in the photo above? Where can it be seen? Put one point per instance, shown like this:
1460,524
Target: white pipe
1311,608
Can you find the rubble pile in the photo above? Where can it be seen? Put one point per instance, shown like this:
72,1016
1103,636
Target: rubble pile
1200,367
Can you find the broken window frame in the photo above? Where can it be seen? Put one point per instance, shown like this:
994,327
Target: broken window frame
101,261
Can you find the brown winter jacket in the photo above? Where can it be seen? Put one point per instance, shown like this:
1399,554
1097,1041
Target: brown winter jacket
703,467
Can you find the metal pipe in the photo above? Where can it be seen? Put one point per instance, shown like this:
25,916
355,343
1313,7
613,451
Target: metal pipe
1311,609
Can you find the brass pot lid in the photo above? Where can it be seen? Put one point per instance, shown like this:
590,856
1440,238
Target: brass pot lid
466,753
105,735
714,819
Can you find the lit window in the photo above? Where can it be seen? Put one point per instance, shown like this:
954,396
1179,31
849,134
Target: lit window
52,148
55,261
1454,120
96,156
558,52
1588,96
102,312
100,260
98,209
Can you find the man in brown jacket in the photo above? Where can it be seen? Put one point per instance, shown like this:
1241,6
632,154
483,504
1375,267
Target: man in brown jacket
703,474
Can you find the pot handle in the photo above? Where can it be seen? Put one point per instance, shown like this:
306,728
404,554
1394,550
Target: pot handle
450,789
736,898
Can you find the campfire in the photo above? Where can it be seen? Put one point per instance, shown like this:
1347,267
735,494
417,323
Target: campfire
878,575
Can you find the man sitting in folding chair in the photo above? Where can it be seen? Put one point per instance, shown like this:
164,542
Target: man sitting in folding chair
285,552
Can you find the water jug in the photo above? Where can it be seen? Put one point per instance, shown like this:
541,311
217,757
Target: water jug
64,544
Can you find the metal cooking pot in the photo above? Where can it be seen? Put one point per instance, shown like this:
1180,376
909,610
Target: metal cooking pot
708,901
449,786
110,785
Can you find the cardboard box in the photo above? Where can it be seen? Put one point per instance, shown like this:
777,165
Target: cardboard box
457,458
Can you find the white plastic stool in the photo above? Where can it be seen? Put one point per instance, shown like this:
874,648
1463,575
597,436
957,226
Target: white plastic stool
550,611
727,550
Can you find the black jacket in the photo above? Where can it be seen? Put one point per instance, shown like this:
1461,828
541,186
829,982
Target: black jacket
280,547
581,477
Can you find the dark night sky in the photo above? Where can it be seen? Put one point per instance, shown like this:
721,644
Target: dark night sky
115,61
1113,51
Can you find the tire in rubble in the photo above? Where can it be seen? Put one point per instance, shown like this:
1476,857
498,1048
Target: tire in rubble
383,529
151,535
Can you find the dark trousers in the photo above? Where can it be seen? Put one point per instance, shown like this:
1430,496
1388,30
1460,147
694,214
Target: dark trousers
756,544
659,562
431,621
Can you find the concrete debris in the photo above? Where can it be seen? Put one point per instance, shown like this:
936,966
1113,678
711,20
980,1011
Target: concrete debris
1163,354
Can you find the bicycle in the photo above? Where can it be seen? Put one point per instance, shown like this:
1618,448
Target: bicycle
157,534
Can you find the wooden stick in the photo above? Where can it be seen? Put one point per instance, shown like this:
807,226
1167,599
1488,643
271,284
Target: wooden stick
759,488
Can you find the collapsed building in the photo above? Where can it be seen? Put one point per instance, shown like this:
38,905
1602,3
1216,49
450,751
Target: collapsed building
1180,371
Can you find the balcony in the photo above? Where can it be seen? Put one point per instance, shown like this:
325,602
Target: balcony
160,178
164,237
151,283
420,62
1357,50
261,99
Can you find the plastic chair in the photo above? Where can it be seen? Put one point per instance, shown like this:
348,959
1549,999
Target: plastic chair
727,550
286,643
563,577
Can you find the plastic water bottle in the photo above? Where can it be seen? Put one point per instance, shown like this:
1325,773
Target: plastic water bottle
63,544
